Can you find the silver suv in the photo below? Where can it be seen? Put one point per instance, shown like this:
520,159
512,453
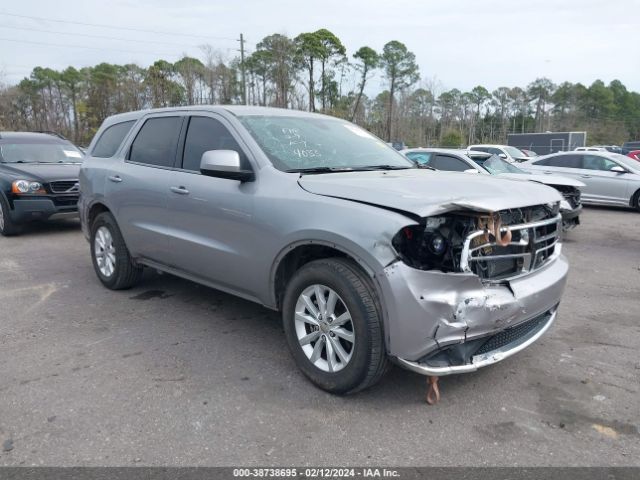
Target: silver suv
367,257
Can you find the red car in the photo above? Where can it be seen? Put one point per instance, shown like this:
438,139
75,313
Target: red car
635,154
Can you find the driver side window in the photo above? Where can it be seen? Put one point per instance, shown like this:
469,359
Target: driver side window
420,158
203,134
593,162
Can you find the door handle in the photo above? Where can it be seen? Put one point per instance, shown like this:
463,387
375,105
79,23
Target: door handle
548,172
585,176
115,178
180,190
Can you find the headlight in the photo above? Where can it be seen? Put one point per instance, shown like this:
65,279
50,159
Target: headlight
434,244
564,205
27,187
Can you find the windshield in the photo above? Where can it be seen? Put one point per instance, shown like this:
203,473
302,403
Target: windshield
40,153
514,152
627,162
495,165
307,143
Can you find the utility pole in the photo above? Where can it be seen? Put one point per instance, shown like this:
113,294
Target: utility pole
244,83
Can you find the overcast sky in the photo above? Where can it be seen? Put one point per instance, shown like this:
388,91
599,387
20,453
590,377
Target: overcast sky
461,43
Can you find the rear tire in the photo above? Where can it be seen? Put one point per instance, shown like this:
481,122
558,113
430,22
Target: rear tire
8,227
338,355
111,259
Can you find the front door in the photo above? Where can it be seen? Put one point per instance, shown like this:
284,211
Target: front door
211,227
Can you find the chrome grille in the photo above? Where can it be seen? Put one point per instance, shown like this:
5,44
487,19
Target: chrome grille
532,246
65,186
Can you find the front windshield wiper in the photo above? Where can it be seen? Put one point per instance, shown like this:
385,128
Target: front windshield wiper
366,168
380,167
319,170
428,167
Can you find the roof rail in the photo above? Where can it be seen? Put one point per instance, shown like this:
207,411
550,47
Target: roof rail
50,132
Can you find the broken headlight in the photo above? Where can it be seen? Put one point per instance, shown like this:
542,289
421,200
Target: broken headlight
434,244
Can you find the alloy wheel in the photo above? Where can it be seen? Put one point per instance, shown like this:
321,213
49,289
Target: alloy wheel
324,328
105,251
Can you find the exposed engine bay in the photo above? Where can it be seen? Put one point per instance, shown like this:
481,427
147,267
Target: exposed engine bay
438,243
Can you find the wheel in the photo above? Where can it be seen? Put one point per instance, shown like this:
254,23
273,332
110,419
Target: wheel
635,203
7,226
111,260
333,326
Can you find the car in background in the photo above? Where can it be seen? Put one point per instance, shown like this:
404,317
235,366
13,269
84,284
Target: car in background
609,178
471,161
528,153
506,152
629,146
590,149
367,257
635,154
38,178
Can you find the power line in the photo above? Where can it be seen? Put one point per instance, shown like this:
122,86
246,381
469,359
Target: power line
98,36
93,48
116,27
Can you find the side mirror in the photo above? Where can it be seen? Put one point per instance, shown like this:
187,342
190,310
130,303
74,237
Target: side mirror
224,164
471,170
618,169
503,156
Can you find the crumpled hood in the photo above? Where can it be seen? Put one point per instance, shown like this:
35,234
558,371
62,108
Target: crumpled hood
424,192
545,179
42,172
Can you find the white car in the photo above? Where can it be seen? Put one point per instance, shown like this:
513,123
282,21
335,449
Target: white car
471,161
505,152
609,178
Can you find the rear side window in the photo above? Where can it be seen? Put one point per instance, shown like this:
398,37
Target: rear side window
156,142
565,161
203,134
450,164
110,140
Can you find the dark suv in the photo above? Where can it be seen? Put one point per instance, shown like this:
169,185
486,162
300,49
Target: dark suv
38,178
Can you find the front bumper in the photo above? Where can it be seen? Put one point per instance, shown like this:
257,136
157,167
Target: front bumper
431,312
42,207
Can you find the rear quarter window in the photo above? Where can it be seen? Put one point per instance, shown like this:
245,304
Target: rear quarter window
111,139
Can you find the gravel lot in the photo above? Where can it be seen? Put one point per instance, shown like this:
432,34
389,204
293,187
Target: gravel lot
172,373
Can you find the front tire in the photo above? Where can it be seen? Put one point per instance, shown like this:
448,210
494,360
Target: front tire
333,326
635,202
111,259
7,226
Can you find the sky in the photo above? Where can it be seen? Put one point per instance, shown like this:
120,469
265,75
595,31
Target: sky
457,43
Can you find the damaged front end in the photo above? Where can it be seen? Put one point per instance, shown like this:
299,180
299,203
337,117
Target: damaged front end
472,288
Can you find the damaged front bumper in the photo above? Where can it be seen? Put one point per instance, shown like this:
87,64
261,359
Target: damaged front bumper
446,323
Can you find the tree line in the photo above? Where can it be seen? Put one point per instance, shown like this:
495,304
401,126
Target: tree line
312,71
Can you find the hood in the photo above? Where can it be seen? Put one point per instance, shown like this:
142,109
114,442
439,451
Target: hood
545,179
42,172
425,192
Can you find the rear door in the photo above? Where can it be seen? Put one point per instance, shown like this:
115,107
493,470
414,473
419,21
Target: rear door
212,231
138,187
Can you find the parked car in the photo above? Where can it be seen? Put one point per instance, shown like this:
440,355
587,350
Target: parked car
506,152
600,148
38,178
367,257
629,146
609,178
471,161
528,153
635,154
